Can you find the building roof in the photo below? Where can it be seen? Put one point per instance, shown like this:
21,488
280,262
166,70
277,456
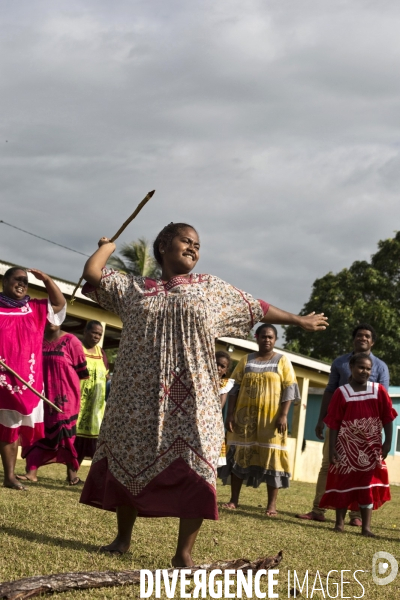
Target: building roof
67,287
297,359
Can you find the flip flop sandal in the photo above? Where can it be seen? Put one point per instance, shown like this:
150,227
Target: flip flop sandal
229,506
76,481
25,478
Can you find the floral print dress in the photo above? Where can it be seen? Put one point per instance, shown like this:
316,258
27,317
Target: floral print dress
162,431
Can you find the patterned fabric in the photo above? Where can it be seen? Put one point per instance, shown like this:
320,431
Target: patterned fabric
361,476
162,432
6,302
21,336
257,452
93,394
64,364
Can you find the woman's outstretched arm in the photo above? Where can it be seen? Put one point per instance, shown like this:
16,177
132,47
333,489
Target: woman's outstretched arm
94,265
311,322
56,297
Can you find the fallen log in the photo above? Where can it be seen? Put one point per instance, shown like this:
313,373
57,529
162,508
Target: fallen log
29,587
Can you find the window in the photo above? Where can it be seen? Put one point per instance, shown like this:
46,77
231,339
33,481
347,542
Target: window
397,448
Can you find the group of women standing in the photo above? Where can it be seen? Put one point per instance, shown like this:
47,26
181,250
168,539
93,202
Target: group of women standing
160,442
33,345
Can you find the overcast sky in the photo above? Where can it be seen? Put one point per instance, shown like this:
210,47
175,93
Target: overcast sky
271,126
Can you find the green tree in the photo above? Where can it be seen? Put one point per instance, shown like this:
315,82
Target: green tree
365,292
137,260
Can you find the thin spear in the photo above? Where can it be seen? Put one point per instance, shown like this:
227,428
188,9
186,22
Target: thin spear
3,364
120,230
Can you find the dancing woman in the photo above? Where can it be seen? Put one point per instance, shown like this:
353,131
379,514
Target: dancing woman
22,323
162,432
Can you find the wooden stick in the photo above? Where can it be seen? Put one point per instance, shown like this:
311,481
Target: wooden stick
29,587
120,230
3,364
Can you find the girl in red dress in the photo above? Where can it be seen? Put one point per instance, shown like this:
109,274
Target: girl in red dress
358,474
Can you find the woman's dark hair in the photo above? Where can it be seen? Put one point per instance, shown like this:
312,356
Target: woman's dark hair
166,236
359,356
91,324
10,272
367,327
266,326
223,354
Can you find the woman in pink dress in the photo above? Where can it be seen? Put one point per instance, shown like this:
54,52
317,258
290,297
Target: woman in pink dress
64,365
22,323
162,432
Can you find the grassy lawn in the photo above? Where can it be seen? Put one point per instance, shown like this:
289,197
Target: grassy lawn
47,531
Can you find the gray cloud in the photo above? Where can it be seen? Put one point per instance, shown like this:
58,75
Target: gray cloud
270,126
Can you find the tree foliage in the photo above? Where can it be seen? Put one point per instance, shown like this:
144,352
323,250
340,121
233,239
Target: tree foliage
365,292
137,260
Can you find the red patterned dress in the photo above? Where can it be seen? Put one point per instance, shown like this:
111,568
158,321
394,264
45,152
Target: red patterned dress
162,431
21,335
64,365
361,476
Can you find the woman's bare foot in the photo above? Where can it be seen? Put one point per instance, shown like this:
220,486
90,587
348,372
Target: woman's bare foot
230,505
338,528
30,476
182,560
367,533
14,484
270,512
118,546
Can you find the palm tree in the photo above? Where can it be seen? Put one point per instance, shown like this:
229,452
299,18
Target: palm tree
138,260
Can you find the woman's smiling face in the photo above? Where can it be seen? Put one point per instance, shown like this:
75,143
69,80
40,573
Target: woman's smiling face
182,253
16,285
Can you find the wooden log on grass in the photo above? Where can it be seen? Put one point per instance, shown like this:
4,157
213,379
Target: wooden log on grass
30,587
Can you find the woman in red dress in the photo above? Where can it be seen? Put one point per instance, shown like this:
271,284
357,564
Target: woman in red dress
358,474
64,365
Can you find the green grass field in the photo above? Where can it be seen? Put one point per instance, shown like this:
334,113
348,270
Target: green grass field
46,530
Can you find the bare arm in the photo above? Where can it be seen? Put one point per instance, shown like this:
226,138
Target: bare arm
319,428
333,455
281,421
387,444
94,265
311,322
56,297
230,420
223,398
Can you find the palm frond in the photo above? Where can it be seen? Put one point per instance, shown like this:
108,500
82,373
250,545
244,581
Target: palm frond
137,260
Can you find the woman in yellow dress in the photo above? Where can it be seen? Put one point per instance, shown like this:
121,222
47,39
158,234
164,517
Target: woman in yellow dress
93,392
265,386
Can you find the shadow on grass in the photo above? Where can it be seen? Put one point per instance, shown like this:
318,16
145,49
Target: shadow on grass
42,538
259,513
50,484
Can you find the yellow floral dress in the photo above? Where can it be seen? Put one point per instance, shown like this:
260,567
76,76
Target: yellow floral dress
257,452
